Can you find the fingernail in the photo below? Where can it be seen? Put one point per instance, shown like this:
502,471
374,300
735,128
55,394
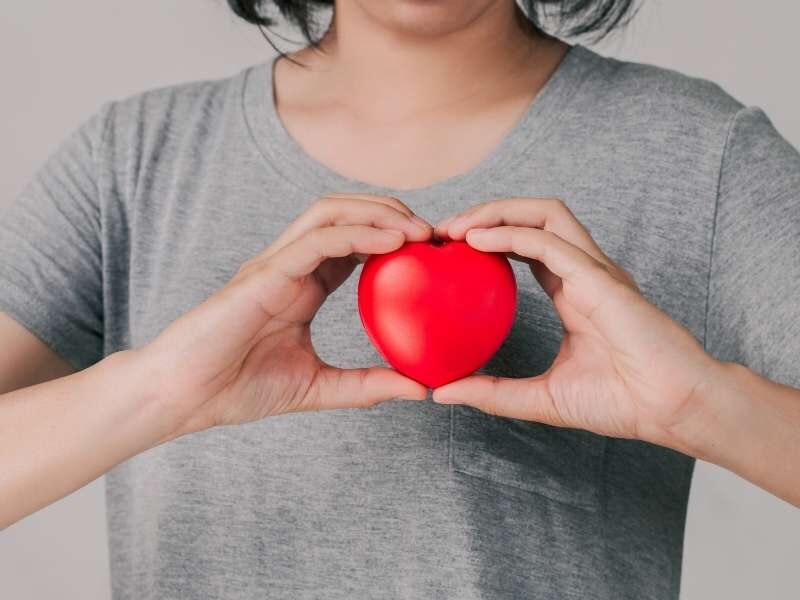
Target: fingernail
479,232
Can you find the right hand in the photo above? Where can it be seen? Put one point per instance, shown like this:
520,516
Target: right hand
245,353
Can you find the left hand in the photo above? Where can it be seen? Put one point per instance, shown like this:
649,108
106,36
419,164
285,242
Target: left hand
624,369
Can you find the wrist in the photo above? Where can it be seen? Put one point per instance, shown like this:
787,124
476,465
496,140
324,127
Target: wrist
732,417
746,423
714,413
141,377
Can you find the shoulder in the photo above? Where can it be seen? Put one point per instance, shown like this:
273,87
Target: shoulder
658,101
637,85
158,117
178,103
695,122
156,127
688,125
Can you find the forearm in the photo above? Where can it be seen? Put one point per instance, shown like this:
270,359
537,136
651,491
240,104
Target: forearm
748,424
57,436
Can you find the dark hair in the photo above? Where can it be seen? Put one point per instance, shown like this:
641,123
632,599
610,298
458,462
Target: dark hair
560,17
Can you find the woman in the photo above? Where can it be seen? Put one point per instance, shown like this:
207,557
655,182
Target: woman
165,273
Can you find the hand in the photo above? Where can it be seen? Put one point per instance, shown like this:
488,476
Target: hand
245,353
624,369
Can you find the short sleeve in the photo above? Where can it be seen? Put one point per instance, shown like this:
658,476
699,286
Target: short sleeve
753,306
50,250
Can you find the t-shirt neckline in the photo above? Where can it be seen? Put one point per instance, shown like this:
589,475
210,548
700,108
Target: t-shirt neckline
292,162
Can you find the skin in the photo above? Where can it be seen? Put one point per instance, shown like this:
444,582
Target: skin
241,355
468,72
625,368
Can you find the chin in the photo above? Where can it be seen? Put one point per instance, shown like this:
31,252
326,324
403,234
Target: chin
429,18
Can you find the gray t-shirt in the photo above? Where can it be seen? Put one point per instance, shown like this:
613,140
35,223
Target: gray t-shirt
153,203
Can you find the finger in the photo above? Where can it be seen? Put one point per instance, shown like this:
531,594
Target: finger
386,213
268,286
526,399
614,306
440,230
591,284
359,388
549,282
387,200
304,255
544,213
259,292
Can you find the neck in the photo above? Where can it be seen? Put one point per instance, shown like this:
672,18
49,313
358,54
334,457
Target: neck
393,70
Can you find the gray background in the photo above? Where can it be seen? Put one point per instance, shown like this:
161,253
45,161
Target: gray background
60,60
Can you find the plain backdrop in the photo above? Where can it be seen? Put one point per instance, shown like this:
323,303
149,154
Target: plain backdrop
60,60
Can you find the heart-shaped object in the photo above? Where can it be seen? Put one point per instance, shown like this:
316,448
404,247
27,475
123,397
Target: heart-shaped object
437,310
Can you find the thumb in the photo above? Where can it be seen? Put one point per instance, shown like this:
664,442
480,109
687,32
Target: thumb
527,398
359,388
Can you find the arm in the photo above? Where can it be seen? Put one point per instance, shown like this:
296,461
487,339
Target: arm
625,369
241,355
749,421
739,420
59,435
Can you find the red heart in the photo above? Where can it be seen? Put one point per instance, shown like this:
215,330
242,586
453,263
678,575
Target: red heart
437,311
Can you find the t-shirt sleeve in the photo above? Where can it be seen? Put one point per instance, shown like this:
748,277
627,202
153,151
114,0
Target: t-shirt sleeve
754,284
50,250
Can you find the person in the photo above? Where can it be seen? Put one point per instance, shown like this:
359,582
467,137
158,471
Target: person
178,294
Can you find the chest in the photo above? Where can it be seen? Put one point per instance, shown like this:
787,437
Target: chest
404,152
186,244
